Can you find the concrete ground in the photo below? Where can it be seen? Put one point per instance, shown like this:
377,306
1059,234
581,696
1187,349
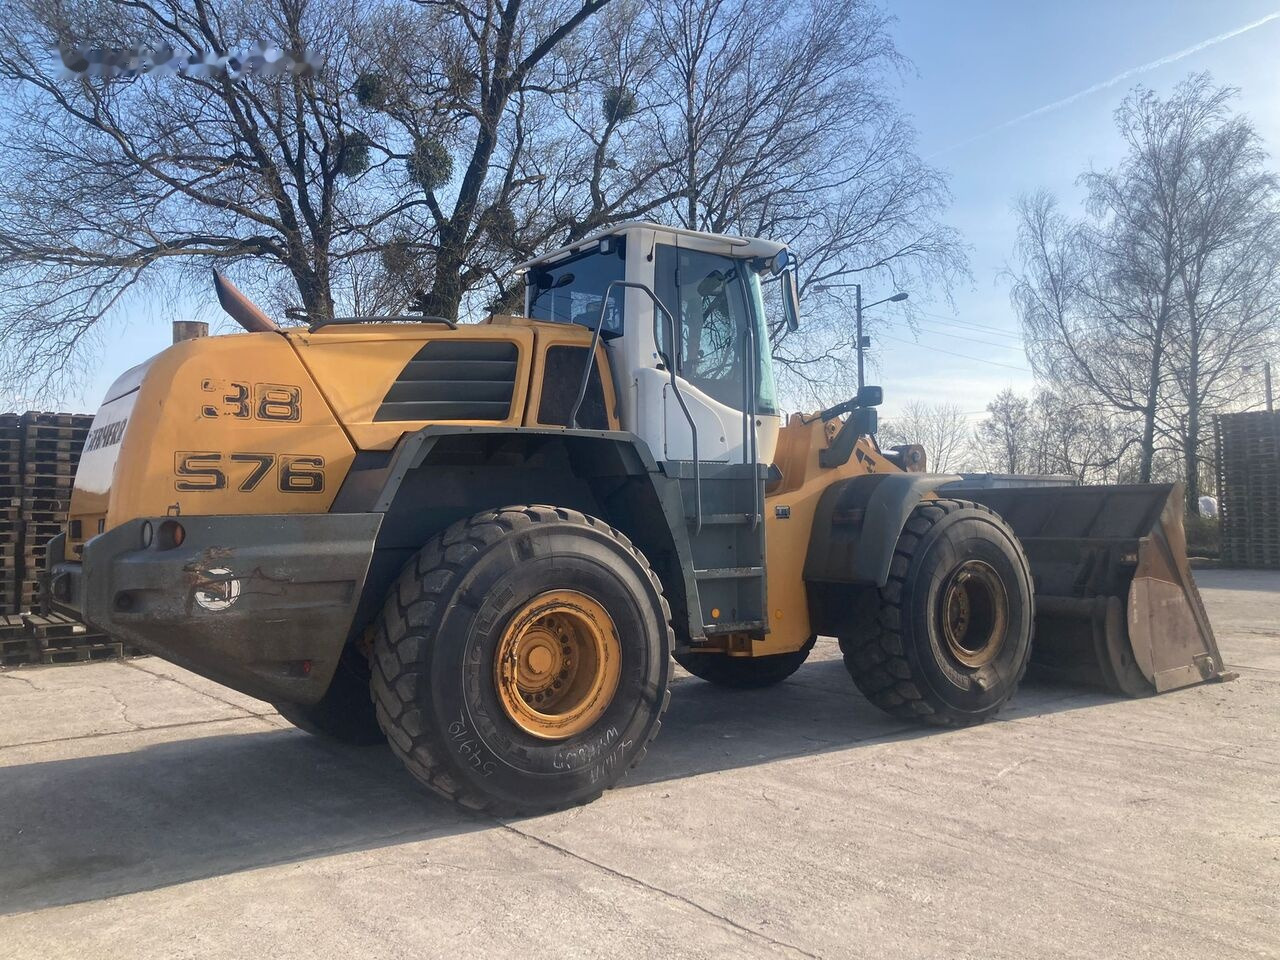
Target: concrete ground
145,812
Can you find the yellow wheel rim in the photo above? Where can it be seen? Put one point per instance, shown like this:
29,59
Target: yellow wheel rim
557,666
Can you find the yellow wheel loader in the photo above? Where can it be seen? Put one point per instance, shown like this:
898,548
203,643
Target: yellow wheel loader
486,543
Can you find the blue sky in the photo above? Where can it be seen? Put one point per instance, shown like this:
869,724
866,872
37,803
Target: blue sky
977,67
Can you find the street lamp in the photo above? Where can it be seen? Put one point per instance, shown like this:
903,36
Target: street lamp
863,342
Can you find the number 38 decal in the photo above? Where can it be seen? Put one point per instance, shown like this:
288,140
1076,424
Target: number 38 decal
201,470
279,402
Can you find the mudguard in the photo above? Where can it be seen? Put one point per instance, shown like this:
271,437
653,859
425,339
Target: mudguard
857,524
446,472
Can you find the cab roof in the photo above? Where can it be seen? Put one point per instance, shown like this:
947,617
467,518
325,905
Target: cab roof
748,246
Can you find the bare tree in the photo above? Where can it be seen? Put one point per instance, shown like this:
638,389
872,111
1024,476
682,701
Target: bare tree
437,144
1229,275
1151,304
1073,434
115,176
940,427
1003,441
788,129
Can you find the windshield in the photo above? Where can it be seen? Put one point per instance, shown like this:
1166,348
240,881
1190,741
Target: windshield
767,393
572,290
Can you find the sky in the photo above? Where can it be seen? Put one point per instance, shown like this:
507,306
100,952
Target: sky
1007,97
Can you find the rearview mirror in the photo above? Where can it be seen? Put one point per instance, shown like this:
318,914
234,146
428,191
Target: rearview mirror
712,285
870,396
790,300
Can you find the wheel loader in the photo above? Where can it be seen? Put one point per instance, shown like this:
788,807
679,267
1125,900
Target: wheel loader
486,543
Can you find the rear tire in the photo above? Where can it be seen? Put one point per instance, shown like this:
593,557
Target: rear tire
952,636
468,678
744,673
345,713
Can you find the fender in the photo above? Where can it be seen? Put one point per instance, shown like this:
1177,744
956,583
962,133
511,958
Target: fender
857,524
443,473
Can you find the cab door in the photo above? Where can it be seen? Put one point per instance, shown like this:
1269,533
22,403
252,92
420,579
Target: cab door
708,295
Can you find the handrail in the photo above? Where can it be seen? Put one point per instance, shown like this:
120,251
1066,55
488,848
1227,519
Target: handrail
750,415
675,387
397,318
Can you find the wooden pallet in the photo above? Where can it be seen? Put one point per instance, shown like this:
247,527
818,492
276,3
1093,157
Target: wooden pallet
44,418
54,626
11,626
83,653
41,529
40,505
49,468
1247,447
18,652
52,446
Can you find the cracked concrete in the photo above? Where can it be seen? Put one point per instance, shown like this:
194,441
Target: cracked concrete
146,812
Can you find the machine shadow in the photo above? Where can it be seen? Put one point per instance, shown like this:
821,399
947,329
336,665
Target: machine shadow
95,827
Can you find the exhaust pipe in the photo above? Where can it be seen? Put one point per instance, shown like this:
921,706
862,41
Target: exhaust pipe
189,330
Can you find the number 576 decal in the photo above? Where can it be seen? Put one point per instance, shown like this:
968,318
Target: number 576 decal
201,470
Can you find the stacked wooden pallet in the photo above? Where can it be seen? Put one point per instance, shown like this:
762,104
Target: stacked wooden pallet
10,509
51,446
1248,454
39,453
52,638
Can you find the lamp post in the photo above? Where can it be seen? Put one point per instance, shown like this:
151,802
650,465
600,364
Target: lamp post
863,342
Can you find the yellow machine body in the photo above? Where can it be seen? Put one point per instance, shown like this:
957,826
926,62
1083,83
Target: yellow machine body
530,519
267,423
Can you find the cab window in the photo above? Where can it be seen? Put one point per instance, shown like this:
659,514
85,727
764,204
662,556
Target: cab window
572,290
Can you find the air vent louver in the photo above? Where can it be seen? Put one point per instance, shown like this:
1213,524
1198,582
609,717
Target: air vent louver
454,380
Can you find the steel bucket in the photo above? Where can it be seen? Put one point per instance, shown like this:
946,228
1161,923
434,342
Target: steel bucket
1116,604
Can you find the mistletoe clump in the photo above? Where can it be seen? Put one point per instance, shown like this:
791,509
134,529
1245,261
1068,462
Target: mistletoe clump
371,90
353,154
430,165
619,104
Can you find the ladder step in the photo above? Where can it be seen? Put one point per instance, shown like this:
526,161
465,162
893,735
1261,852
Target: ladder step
728,573
725,519
740,626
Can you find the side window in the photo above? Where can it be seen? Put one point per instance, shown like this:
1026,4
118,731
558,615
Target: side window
573,290
705,294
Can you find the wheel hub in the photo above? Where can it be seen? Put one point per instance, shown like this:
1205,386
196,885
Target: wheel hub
974,613
558,664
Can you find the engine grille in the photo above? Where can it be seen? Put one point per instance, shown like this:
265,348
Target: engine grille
454,380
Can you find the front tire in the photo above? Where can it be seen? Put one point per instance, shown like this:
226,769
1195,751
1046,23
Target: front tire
522,660
952,637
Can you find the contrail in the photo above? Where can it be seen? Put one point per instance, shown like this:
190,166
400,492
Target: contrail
1118,78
